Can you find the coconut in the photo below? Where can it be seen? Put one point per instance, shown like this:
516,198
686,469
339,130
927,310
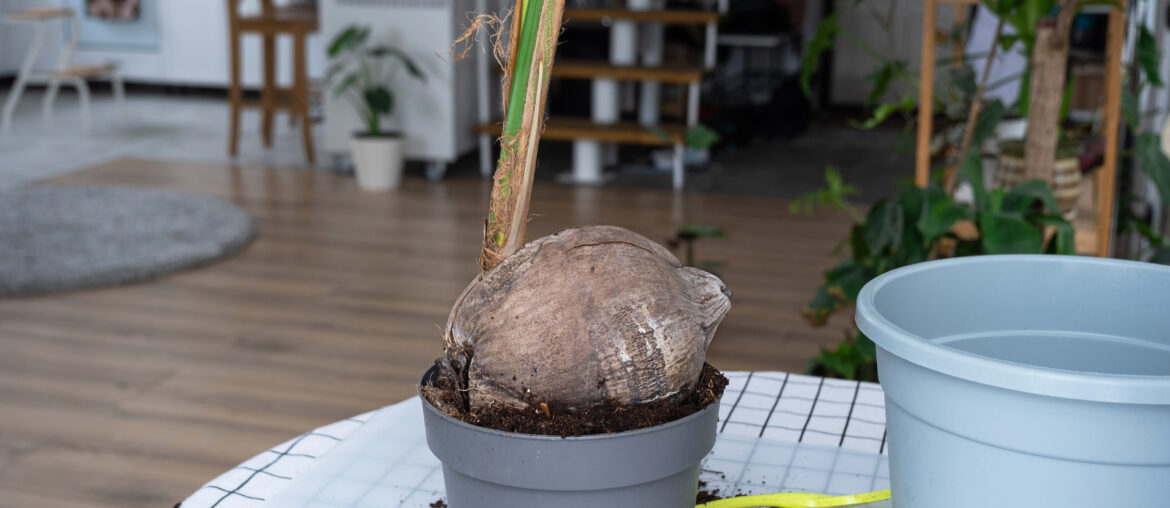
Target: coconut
583,316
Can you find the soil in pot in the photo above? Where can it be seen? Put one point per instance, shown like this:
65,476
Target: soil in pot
556,419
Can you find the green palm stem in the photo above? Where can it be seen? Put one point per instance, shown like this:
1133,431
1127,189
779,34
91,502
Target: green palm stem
533,46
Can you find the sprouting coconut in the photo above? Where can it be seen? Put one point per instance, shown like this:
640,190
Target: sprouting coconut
581,317
584,316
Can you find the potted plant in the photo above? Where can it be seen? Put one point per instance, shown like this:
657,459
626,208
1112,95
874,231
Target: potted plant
362,74
573,371
1011,169
920,224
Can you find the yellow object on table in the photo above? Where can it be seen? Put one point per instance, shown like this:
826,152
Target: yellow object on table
798,500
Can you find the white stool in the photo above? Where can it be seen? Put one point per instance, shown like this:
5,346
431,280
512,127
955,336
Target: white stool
64,72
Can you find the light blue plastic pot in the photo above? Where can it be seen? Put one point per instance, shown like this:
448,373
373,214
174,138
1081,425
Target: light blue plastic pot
1024,381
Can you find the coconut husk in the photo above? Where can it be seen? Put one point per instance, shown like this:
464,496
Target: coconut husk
581,317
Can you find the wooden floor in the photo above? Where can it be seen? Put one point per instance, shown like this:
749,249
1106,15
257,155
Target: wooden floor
137,395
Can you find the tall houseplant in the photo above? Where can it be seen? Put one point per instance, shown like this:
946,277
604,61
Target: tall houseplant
361,74
1038,34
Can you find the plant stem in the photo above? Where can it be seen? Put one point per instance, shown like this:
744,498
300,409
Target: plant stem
976,105
533,45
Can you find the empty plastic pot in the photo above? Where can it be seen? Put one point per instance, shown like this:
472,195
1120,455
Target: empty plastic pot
1029,381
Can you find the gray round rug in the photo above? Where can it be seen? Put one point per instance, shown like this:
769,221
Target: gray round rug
59,237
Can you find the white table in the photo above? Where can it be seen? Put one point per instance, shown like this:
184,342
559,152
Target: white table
777,432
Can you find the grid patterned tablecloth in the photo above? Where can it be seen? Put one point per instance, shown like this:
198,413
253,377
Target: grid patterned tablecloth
799,418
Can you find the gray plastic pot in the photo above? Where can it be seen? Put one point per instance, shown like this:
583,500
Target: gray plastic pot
1029,381
656,467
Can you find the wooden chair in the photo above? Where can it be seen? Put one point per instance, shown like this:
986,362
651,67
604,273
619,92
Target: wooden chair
297,21
65,71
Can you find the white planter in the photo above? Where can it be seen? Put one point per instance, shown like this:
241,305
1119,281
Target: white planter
378,160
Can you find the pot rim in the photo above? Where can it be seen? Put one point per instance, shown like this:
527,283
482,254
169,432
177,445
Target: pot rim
714,406
1018,377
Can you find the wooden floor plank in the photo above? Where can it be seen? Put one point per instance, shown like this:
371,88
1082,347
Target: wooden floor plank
137,395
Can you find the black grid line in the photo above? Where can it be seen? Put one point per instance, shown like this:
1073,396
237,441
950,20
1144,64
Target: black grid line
811,410
779,394
731,411
216,487
281,455
269,473
832,467
849,417
410,479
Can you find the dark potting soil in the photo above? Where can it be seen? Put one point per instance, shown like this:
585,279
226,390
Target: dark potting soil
605,418
706,495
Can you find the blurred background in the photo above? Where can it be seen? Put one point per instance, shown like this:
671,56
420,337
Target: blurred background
227,222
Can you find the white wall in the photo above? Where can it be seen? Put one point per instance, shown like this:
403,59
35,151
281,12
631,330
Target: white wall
904,40
436,116
192,49
7,67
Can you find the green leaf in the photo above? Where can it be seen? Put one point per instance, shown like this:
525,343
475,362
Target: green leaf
971,170
939,215
701,137
821,41
1033,11
351,37
883,226
845,280
335,68
834,194
823,304
1161,256
379,100
1002,7
884,110
1020,108
522,70
1006,42
858,244
702,231
1154,163
407,62
1147,55
1129,108
995,200
1147,232
1064,237
865,346
1003,234
346,83
1020,198
989,118
882,77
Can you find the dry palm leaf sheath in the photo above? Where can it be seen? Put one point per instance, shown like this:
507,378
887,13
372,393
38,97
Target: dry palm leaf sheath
582,316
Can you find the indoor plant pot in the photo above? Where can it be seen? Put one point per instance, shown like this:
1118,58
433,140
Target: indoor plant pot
377,159
358,73
654,467
1055,393
1066,173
